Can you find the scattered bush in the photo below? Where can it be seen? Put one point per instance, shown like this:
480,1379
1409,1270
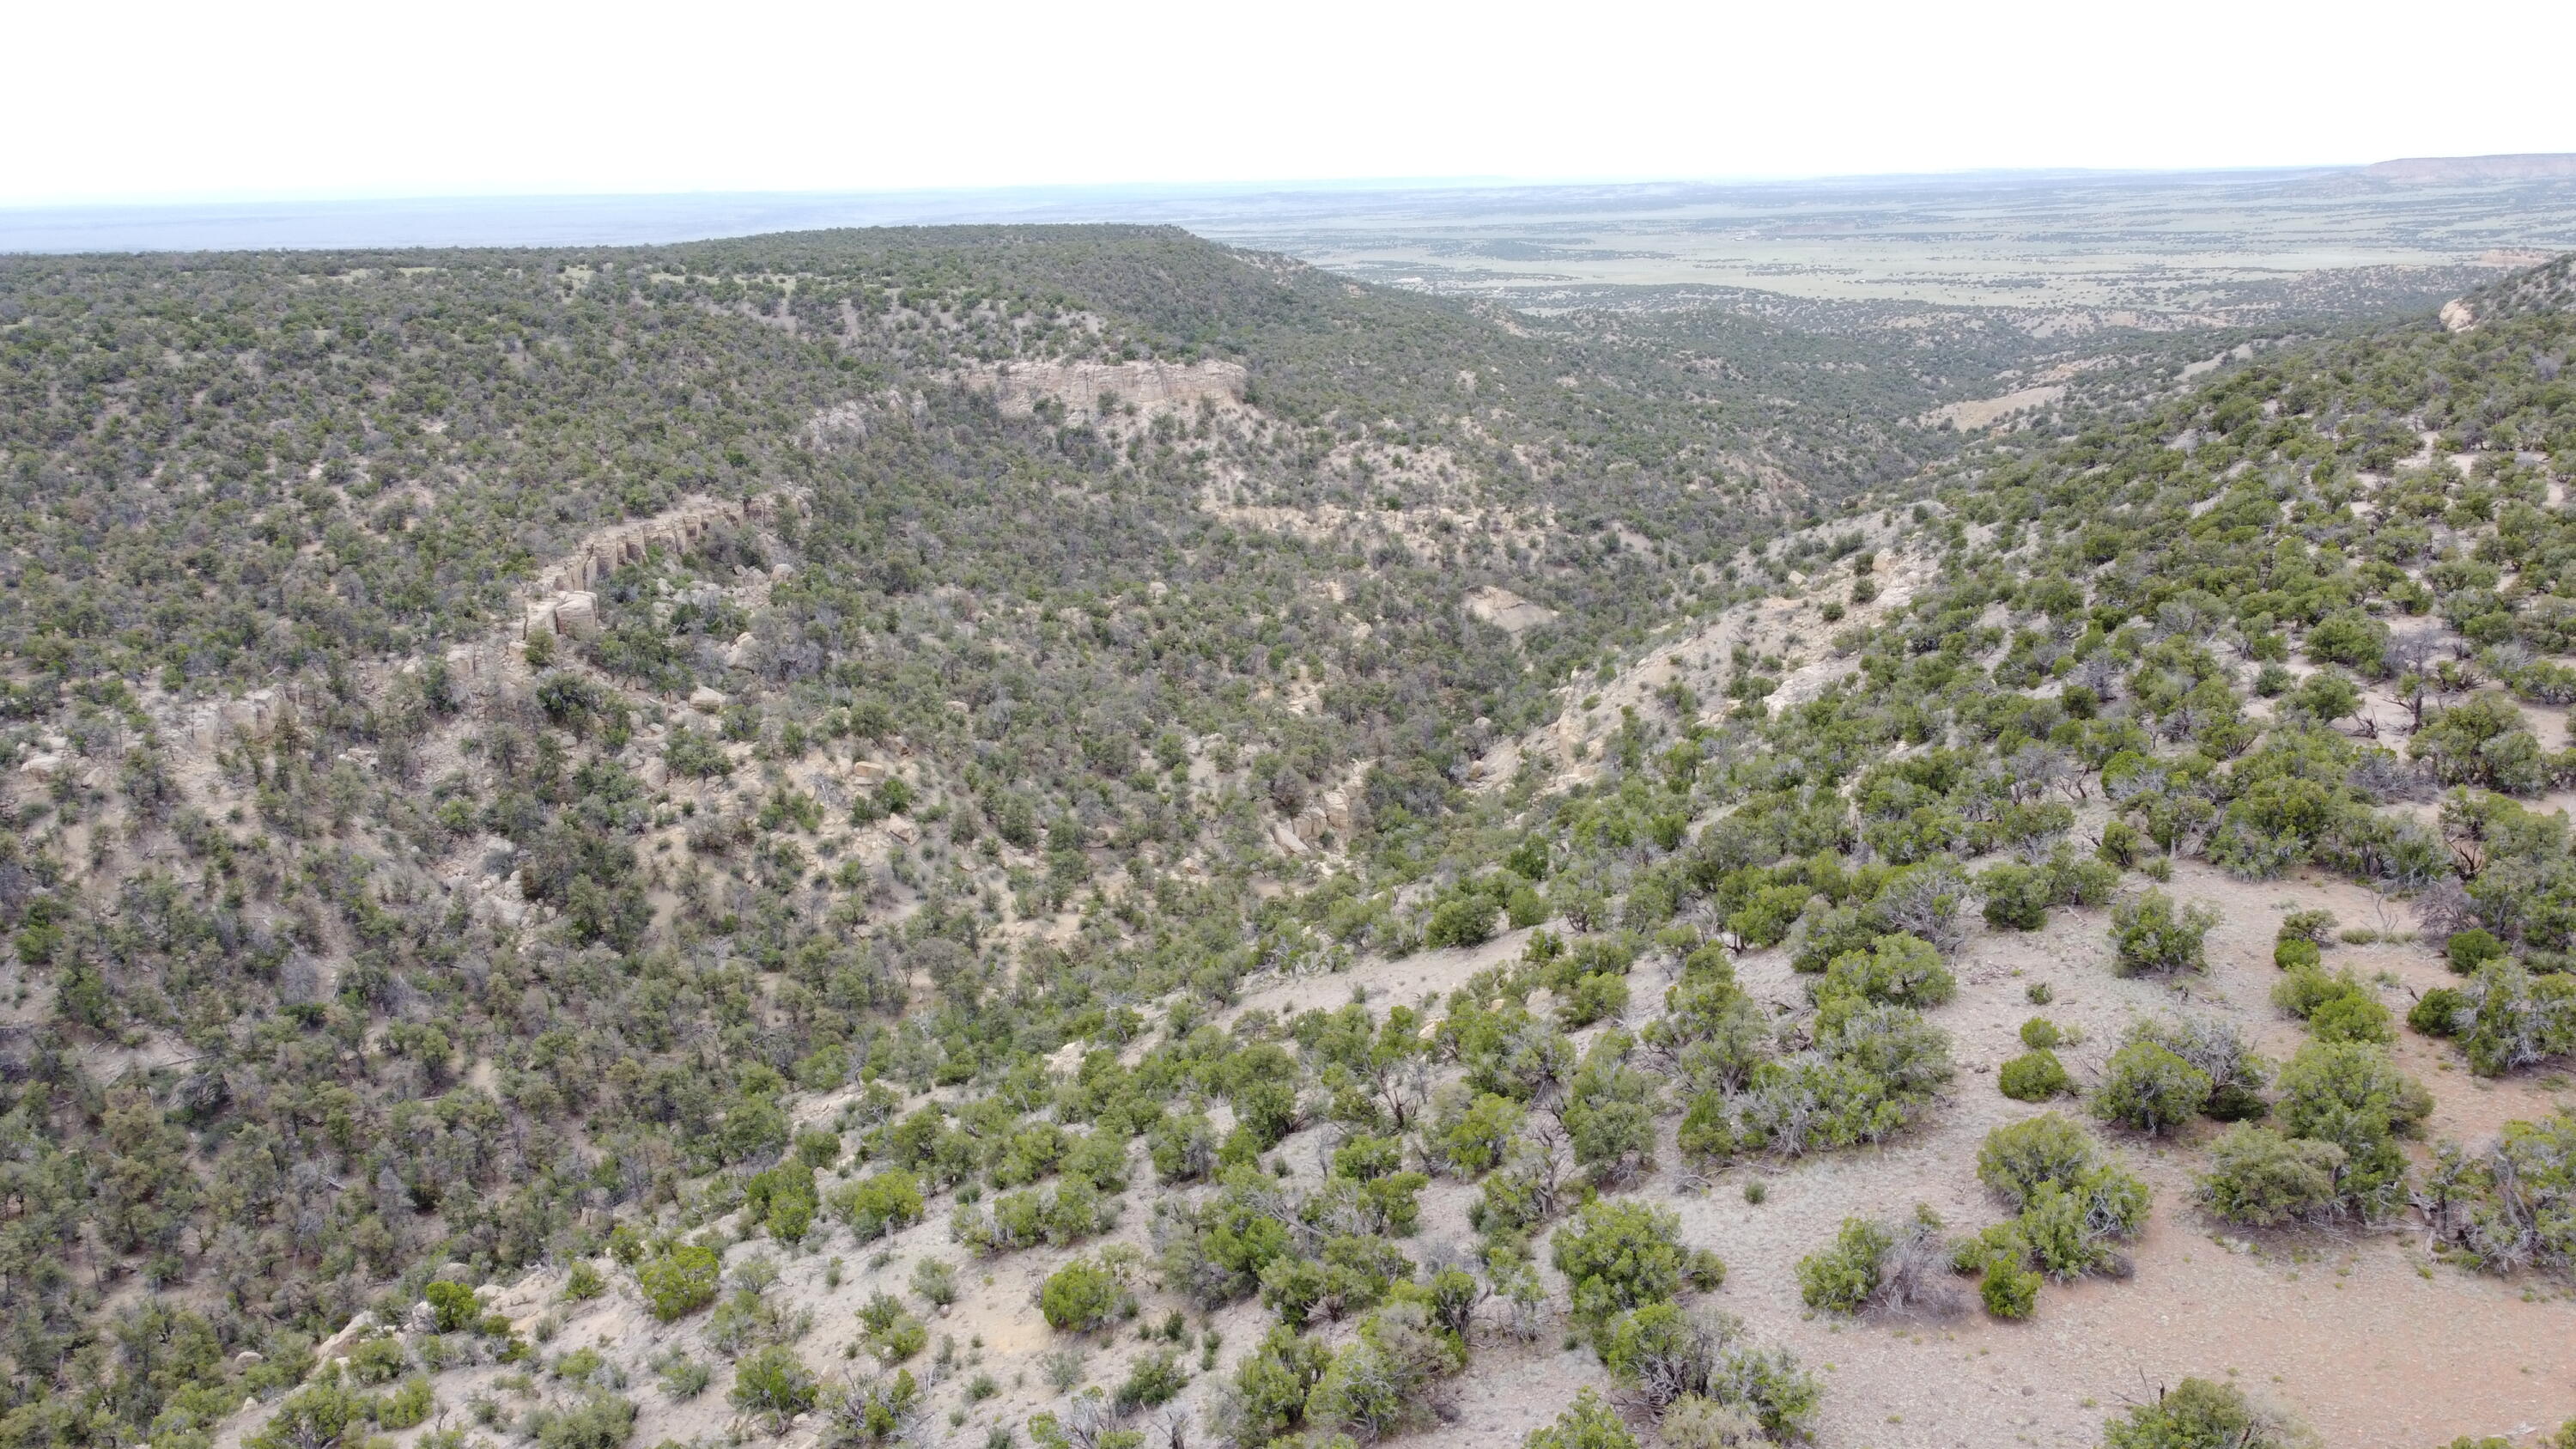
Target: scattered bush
2015,1159
2511,1205
2263,1179
1081,1296
584,1282
1587,1423
455,1305
774,1382
878,1204
601,1421
1877,1266
2354,1096
2150,936
679,1280
2197,1414
1623,1255
2070,1207
1695,1368
2148,1088
2440,1011
2336,1008
2470,949
1155,1380
2514,1019
2034,1077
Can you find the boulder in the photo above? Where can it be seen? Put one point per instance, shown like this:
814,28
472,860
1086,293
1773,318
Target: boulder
1338,817
578,615
339,1344
655,772
705,700
902,829
869,773
258,713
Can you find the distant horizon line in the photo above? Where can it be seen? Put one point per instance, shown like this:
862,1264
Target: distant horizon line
1471,182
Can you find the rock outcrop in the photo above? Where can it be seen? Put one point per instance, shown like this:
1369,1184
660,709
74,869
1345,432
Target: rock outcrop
1087,387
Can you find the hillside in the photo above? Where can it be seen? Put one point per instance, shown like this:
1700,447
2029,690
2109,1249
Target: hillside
1017,836
914,615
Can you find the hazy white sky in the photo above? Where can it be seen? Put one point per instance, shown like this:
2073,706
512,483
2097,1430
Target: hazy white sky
207,99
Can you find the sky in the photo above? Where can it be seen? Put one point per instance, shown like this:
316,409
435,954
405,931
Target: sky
154,101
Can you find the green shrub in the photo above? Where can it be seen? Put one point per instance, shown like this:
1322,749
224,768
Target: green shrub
2196,1414
602,1421
1619,1255
2353,1095
2311,926
2296,953
889,1331
1694,1369
2040,1034
879,1204
1155,1380
1593,996
2509,1206
2263,1179
2069,1205
1080,1296
455,1305
2011,1288
1468,1136
2151,937
314,1417
2516,1019
1272,1385
2473,948
2217,1049
935,1281
2017,897
1900,969
1463,920
2069,1225
774,1382
2352,639
584,1282
406,1406
681,1376
2336,1008
2438,1011
1587,1423
2034,1077
782,1200
2016,1158
1841,1278
2353,1016
377,1360
1376,1385
2148,1088
679,1280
